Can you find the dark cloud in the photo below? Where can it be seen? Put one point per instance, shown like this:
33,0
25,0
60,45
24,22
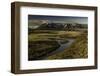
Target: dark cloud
82,20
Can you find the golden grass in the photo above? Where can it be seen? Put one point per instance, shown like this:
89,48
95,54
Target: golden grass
58,34
77,50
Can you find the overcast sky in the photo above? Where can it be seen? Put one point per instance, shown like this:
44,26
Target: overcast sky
81,20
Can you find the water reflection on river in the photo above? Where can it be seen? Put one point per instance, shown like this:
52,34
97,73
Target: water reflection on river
62,47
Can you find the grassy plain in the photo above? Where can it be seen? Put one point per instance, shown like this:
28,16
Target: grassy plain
43,42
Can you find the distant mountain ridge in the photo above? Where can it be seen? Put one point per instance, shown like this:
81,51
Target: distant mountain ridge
45,24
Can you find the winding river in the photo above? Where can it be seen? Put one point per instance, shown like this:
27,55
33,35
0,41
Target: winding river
62,47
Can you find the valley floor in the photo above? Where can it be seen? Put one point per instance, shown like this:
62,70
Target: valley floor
44,45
